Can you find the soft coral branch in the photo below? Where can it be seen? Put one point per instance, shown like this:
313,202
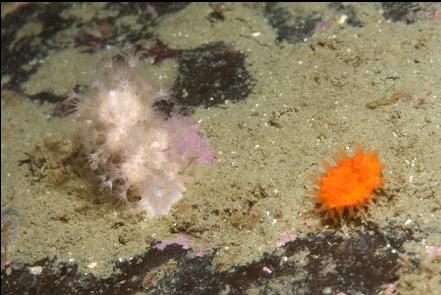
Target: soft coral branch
138,154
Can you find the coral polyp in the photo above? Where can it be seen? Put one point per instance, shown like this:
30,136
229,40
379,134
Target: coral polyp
350,183
138,154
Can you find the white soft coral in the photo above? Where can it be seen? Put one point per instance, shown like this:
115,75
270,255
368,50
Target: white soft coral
137,154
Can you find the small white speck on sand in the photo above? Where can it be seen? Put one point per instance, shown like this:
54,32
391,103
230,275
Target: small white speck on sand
36,270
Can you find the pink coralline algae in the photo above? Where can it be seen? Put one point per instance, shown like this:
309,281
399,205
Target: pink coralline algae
323,25
138,155
188,143
201,253
182,241
285,238
390,288
267,269
433,252
437,15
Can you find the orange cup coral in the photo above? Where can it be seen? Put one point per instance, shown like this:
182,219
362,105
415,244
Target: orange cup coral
348,184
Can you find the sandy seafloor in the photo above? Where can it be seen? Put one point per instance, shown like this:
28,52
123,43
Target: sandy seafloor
276,88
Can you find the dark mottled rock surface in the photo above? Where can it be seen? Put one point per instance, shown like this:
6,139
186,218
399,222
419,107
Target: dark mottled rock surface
360,257
211,74
400,11
290,28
